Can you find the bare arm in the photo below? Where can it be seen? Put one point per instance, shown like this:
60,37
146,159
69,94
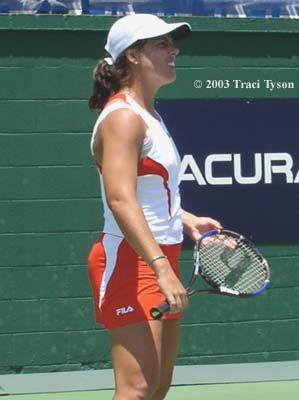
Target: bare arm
117,148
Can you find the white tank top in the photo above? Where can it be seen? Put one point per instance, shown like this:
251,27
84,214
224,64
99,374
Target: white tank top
158,176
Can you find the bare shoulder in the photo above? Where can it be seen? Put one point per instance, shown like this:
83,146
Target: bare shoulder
122,127
122,124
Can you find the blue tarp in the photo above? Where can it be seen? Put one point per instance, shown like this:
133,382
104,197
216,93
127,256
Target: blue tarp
214,8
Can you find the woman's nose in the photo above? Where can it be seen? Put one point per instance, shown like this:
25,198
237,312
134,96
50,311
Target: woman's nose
174,51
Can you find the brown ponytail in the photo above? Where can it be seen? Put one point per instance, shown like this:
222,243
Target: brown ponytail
109,79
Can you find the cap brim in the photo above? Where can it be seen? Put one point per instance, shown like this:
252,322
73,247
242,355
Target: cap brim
181,31
177,31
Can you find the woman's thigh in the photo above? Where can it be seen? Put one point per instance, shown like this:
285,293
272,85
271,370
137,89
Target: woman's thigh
169,349
143,355
136,353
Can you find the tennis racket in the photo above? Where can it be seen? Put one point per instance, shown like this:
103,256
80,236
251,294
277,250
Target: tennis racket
229,263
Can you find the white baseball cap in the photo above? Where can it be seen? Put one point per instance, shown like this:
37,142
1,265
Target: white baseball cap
131,28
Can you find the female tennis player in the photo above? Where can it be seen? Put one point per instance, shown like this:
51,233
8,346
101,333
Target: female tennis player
134,265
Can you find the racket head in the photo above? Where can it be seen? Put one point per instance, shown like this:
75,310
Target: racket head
231,264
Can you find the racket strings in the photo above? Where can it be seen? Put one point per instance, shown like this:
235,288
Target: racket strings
232,264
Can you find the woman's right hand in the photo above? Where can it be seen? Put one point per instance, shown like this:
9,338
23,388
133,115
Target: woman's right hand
171,287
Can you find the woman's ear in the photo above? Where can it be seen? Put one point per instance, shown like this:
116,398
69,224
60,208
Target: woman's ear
132,56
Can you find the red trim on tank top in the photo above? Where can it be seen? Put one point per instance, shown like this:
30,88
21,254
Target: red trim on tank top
116,97
99,168
148,166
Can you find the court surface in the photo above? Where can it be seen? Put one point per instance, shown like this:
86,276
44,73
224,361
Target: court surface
286,390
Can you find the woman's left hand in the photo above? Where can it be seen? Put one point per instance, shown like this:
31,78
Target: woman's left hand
195,226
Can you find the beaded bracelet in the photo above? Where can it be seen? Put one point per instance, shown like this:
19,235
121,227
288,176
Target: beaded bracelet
155,259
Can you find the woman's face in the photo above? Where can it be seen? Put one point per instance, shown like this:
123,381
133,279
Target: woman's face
156,60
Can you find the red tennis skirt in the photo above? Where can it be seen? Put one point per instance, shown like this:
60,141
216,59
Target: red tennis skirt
124,287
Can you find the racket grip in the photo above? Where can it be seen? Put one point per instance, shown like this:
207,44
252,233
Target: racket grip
157,312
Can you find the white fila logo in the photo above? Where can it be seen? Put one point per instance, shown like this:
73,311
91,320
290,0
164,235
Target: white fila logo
124,310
